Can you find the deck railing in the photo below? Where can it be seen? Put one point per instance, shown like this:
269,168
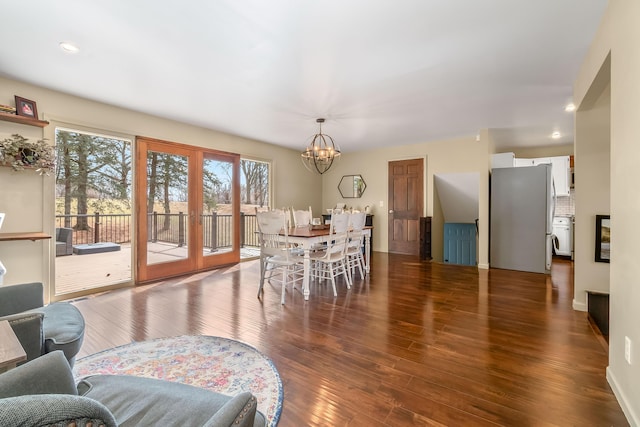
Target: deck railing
167,228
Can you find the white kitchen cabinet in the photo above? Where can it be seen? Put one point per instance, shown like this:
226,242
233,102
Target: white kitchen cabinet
523,162
541,161
560,169
562,231
502,160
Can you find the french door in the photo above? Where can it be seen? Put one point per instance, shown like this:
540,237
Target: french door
187,208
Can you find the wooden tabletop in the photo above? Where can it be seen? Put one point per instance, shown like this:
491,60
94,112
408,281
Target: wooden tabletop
313,232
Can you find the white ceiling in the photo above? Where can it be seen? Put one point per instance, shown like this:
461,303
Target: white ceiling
381,72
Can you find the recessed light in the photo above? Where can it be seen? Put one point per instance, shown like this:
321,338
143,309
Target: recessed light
556,135
69,47
570,107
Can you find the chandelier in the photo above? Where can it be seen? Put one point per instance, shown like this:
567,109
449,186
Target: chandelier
321,151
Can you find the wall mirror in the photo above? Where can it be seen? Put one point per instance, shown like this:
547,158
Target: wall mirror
351,186
603,238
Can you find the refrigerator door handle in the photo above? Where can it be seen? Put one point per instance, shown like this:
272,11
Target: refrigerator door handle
555,199
549,252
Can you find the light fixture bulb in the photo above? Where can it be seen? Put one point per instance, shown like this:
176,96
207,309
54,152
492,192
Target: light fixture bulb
555,135
69,47
570,107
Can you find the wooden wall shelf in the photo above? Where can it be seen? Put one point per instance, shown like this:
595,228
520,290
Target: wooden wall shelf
4,237
14,118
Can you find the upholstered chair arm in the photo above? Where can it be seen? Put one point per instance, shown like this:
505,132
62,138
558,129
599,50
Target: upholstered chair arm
29,331
60,410
18,298
49,374
239,411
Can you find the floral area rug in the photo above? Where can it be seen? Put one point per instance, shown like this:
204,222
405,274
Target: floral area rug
219,364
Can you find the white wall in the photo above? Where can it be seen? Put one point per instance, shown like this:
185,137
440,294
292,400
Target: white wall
592,171
458,194
543,151
619,35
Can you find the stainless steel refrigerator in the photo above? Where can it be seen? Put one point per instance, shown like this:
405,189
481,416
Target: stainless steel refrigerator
522,210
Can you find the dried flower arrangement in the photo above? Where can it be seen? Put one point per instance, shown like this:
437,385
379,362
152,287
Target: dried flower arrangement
20,154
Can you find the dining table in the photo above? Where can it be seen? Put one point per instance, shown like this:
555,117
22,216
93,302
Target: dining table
307,238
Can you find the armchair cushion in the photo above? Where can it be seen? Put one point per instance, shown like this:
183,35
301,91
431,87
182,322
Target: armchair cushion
63,327
49,374
139,401
18,298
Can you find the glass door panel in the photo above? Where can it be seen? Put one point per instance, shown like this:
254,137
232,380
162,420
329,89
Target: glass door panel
165,204
167,207
219,215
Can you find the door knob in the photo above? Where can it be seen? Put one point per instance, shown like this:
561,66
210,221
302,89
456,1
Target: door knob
390,210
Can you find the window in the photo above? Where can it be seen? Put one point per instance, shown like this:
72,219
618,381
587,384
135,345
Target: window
93,206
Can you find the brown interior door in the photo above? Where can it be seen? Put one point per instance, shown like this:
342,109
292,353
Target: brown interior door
405,205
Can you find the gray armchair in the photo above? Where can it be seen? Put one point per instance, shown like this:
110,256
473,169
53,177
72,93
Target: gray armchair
43,392
64,241
41,329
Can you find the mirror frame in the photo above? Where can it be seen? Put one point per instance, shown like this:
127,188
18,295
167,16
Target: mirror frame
352,186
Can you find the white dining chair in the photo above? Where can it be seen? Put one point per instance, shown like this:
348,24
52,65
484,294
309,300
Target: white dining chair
355,245
331,262
301,217
276,254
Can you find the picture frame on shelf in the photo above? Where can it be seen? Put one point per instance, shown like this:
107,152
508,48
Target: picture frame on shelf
26,107
603,238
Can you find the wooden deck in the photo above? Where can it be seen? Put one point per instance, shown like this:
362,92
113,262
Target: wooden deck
80,273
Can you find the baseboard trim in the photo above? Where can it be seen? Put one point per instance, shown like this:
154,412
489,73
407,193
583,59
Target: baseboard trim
633,419
579,306
483,266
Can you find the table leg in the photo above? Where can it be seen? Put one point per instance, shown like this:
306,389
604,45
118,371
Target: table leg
367,252
307,273
262,273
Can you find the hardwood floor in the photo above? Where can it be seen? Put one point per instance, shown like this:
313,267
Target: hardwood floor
416,343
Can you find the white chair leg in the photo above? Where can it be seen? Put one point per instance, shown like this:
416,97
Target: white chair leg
360,265
345,273
263,267
284,284
333,280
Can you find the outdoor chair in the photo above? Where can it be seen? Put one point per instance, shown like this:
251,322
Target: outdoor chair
64,241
